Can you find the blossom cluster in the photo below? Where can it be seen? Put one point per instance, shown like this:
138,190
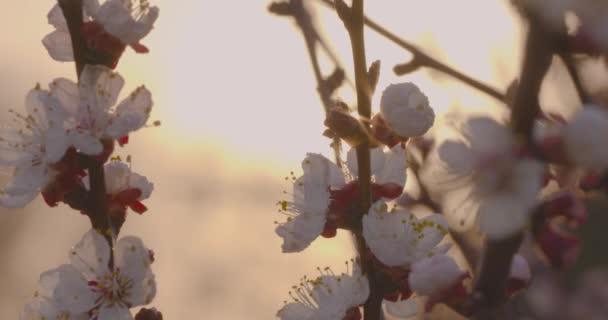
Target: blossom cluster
61,147
408,249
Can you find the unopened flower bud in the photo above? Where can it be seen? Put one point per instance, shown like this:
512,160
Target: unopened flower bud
149,314
519,275
585,138
432,274
560,248
406,110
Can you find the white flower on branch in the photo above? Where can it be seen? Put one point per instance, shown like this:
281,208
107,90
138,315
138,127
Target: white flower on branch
107,28
386,166
52,283
128,20
35,142
124,188
89,286
322,202
436,278
91,104
434,273
482,176
307,211
397,238
58,43
585,138
327,297
406,110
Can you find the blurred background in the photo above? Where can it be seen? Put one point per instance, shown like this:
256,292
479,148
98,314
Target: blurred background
236,96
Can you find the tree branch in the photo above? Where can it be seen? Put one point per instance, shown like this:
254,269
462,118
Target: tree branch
303,19
497,256
421,59
97,197
353,21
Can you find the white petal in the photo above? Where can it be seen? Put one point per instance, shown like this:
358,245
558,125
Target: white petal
71,292
295,311
56,19
59,45
404,309
406,110
434,229
502,215
56,144
39,309
24,186
434,273
457,157
520,269
118,21
585,138
298,233
140,182
67,94
117,177
487,136
311,190
9,155
319,168
91,255
377,157
44,110
85,142
131,114
132,259
90,7
114,312
389,235
99,87
394,170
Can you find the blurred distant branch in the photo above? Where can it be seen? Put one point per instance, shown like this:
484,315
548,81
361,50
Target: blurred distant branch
574,75
421,59
326,86
495,263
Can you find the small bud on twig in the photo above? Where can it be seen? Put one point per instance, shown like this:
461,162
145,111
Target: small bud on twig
373,74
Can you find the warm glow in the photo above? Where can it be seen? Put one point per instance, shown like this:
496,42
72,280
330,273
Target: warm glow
236,96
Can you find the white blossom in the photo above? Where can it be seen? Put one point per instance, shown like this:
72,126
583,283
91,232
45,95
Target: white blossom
307,211
59,43
120,177
386,166
397,238
128,20
479,178
404,309
35,142
520,269
585,138
88,285
406,110
91,105
434,273
328,297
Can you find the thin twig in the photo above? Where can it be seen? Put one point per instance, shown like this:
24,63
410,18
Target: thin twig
312,39
424,60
